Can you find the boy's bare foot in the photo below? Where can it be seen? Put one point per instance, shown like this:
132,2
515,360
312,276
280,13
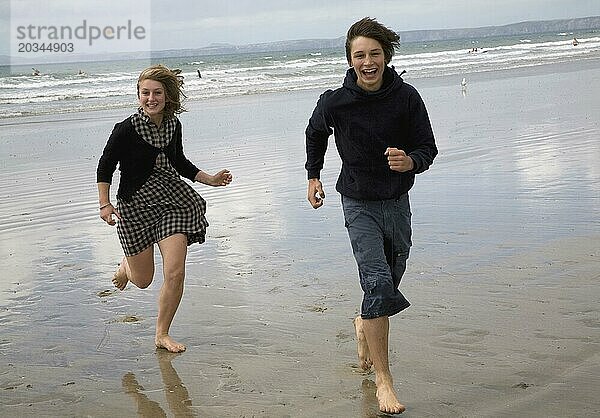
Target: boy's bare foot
169,344
388,402
120,277
364,355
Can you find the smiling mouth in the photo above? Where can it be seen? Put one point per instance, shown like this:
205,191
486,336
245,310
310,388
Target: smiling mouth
369,72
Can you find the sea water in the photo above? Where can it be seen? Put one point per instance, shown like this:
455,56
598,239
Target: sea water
84,86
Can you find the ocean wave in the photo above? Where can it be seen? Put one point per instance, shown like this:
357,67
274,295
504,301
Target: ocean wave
60,89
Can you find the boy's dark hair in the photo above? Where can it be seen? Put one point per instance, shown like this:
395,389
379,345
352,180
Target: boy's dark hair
370,28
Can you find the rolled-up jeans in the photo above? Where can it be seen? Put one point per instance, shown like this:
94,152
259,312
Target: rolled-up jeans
380,234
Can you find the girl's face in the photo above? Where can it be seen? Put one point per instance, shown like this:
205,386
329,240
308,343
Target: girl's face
152,98
368,62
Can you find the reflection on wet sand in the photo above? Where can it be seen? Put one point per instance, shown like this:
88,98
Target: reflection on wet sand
176,393
503,276
370,404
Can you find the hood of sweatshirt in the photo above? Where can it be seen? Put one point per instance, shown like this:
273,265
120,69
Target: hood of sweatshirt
391,82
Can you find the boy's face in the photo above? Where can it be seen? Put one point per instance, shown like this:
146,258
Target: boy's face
368,61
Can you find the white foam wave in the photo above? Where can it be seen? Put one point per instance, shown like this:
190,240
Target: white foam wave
226,76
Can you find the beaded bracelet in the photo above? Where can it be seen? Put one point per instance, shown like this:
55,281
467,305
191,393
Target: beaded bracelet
105,205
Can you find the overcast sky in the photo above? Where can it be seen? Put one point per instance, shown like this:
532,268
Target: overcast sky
197,23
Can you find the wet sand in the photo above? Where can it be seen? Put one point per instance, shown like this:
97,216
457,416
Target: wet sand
502,276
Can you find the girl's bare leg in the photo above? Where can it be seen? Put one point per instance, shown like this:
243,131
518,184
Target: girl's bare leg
137,269
174,253
120,278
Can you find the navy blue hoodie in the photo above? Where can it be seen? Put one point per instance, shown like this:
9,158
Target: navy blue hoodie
365,124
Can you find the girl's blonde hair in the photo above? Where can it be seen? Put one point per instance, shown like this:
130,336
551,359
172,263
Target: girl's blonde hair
172,82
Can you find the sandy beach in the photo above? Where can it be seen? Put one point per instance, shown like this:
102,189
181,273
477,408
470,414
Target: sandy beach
503,274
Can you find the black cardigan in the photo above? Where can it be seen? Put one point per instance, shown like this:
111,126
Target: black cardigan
136,158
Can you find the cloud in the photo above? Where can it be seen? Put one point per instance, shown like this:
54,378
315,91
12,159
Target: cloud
193,23
280,21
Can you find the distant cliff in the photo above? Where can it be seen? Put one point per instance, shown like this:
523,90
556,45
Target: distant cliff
522,28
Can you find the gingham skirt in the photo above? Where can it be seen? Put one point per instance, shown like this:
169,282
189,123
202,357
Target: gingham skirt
163,206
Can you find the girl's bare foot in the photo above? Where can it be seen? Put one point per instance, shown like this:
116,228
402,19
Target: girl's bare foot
120,277
166,342
364,355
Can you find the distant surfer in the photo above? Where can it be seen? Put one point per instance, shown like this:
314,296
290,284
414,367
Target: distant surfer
35,71
575,42
199,73
477,51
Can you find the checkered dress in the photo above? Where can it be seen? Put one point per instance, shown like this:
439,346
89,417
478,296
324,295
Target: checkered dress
165,204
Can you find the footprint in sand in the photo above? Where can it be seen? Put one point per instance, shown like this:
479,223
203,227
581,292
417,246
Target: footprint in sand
127,319
461,338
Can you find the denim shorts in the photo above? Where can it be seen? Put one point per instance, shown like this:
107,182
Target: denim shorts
380,234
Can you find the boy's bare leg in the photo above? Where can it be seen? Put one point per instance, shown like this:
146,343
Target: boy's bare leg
364,356
376,332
